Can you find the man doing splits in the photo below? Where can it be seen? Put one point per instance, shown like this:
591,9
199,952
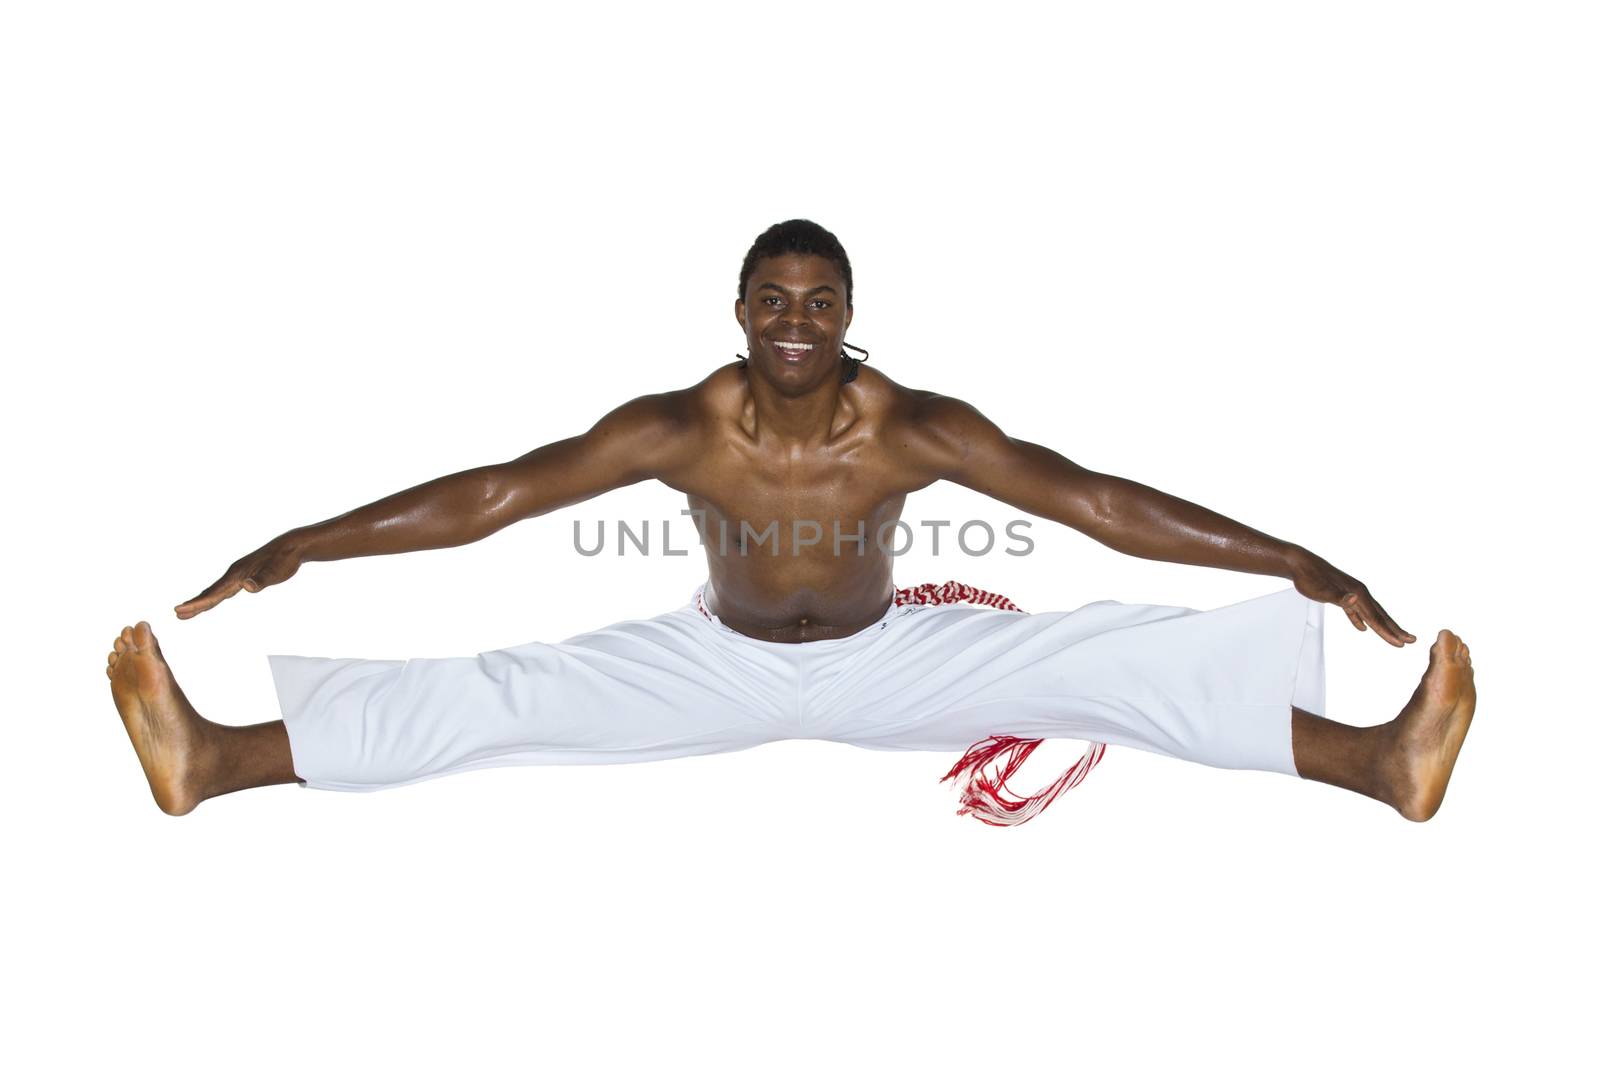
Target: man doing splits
795,458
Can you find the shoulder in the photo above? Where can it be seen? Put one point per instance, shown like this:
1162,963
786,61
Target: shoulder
648,435
668,429
936,432
938,417
680,410
654,415
896,406
721,392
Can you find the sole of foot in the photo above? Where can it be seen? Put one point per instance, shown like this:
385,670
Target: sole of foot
167,733
1429,731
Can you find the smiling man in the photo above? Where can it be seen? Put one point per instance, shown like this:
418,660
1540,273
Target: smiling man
809,636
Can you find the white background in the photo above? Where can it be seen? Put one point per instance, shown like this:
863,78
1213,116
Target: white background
1330,271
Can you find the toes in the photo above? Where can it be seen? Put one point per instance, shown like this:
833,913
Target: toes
120,645
143,638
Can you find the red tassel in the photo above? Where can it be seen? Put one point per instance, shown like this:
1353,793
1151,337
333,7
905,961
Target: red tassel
951,593
985,797
981,796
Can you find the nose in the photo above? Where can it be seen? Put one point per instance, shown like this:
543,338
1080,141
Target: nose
792,316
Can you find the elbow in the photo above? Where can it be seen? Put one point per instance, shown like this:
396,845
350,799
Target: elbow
493,501
1100,506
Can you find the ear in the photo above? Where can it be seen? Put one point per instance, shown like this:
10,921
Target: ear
849,313
738,312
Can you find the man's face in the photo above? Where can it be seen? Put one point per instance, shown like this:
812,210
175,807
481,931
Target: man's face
794,318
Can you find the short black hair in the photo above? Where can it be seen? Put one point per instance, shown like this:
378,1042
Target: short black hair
798,237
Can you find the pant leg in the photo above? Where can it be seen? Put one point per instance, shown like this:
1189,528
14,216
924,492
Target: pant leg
1212,687
641,690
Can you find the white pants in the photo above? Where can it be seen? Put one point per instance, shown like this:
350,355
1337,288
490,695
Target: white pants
1214,687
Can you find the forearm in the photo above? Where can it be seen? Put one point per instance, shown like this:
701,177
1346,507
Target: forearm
1145,522
443,513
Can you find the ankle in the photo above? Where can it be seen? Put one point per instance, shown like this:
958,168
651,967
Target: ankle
1389,777
208,768
243,757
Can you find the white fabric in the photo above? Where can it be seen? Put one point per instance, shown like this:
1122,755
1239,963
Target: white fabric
1213,687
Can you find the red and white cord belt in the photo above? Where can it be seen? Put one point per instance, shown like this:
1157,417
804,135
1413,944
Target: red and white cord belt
984,794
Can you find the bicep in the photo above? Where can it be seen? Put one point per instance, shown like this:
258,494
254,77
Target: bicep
626,446
960,445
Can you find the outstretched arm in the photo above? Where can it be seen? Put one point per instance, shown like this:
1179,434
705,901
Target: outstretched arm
958,444
632,443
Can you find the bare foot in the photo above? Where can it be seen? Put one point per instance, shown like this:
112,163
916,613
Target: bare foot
1427,734
167,733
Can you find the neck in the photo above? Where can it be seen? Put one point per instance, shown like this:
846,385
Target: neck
802,418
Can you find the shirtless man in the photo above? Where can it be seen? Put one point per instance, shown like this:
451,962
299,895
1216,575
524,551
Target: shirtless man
797,431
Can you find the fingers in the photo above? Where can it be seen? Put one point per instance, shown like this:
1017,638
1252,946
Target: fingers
1401,637
1381,623
248,573
1382,628
1364,611
1365,614
209,599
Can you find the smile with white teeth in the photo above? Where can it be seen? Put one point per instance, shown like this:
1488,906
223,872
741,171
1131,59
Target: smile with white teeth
789,346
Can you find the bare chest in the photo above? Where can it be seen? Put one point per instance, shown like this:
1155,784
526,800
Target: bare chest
792,508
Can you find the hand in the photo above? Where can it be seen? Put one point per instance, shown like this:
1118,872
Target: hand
274,562
1317,579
